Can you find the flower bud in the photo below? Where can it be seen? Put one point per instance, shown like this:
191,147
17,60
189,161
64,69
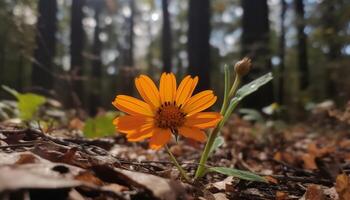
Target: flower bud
243,66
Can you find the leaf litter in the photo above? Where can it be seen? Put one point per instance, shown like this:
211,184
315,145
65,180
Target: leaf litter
308,160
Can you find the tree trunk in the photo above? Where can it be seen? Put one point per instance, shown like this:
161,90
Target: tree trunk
45,49
96,75
128,71
166,39
302,45
76,49
330,30
198,41
255,44
281,51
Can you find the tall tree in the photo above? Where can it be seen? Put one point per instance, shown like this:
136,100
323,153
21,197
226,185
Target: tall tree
332,26
166,38
76,49
281,51
95,96
255,44
127,81
45,48
129,60
198,41
302,45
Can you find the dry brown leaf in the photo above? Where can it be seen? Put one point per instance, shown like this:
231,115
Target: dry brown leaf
220,196
160,188
176,150
33,176
342,186
319,152
314,192
271,179
285,157
309,161
26,158
115,188
76,123
88,177
281,195
220,185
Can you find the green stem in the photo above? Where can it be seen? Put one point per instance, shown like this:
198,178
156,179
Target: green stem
178,166
226,91
235,86
201,167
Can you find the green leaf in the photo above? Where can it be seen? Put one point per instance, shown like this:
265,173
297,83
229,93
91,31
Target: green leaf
28,103
217,143
10,90
245,175
252,86
100,126
243,92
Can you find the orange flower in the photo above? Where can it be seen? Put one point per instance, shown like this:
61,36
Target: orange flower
165,111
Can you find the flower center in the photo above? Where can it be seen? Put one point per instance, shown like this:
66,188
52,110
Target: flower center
170,116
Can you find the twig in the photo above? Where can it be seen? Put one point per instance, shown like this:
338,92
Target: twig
302,179
22,144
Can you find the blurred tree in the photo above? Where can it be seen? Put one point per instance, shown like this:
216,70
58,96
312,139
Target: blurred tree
332,25
198,41
127,80
96,75
76,49
281,51
17,35
46,43
302,45
166,39
255,44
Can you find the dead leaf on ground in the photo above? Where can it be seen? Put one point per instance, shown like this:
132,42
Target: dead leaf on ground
160,188
314,192
26,158
33,176
220,185
281,195
342,186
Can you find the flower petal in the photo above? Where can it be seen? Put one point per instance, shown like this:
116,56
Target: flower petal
199,102
193,133
203,120
148,90
145,132
160,138
185,89
130,124
167,87
132,106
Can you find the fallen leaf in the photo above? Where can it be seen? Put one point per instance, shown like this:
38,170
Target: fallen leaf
319,152
309,161
281,195
26,158
33,176
220,185
342,186
271,179
76,123
160,188
314,192
220,196
115,188
88,177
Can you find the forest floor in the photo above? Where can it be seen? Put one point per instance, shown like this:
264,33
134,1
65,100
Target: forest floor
307,160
